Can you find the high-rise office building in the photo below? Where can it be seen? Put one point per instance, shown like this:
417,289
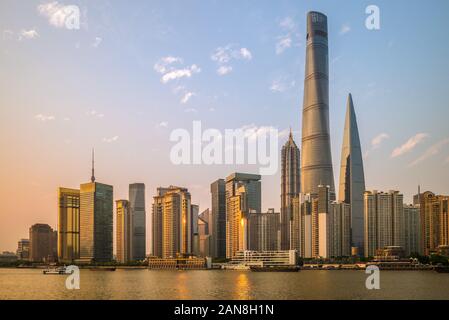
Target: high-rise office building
301,239
263,231
43,243
123,236
316,157
68,225
290,188
96,221
138,220
172,222
412,229
243,195
205,240
352,177
218,218
434,222
335,231
23,249
384,220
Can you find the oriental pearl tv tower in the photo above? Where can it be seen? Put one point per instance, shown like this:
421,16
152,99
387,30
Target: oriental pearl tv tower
316,161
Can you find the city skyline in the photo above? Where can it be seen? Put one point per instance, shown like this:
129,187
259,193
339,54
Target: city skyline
413,148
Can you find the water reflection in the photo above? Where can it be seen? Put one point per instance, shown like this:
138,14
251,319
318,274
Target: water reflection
242,286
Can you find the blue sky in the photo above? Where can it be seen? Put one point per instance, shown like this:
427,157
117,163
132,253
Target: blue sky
66,91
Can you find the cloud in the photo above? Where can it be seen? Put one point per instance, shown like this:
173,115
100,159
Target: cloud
223,70
109,140
224,55
97,42
345,28
430,152
409,145
58,14
94,113
28,34
280,85
376,142
165,67
284,43
187,97
44,118
287,23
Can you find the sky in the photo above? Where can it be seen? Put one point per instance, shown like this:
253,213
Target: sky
135,71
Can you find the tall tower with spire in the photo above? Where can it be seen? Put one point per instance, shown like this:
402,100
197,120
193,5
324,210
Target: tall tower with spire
316,161
92,178
290,187
352,177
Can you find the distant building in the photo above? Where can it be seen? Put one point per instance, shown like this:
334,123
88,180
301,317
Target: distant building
124,233
290,188
8,257
265,258
138,220
352,176
434,221
68,225
96,221
243,195
263,231
172,222
412,229
205,239
23,249
217,225
301,239
384,220
43,243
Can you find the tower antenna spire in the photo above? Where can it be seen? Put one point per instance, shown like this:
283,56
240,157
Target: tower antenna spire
92,178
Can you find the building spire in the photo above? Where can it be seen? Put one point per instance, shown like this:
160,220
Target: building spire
92,178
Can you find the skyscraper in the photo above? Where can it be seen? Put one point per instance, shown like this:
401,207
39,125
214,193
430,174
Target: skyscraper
217,227
23,249
384,220
263,231
352,177
123,236
96,218
412,223
243,195
138,220
316,161
68,224
172,222
43,243
434,221
290,188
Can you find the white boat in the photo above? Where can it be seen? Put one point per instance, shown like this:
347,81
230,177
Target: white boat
57,270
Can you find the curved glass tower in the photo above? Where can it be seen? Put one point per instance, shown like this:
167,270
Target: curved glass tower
316,161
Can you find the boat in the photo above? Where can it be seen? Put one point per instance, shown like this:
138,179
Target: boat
57,270
236,267
102,269
441,269
275,268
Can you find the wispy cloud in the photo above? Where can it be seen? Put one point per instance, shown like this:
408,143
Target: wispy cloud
95,113
223,70
109,140
289,37
224,55
376,142
28,34
97,42
431,151
44,118
187,97
165,67
56,13
281,85
345,28
409,145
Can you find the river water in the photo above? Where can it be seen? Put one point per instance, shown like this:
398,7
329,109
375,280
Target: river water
218,284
